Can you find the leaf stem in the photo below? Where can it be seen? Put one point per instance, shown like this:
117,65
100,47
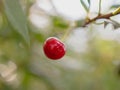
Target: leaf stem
99,12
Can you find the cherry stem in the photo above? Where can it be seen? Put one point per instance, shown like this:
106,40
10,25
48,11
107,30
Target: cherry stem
72,26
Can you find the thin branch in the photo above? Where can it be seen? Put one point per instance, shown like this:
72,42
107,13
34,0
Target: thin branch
53,6
106,16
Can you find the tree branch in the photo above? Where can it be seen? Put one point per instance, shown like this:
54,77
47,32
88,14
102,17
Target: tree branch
106,16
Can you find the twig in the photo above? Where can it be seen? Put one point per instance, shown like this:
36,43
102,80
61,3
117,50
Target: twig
106,16
53,6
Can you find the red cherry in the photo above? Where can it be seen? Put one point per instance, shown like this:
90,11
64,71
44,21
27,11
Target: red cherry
54,48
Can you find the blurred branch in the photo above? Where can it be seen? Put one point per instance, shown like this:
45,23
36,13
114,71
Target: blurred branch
53,6
106,16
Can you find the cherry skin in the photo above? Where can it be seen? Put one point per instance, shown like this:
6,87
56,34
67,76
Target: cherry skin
53,48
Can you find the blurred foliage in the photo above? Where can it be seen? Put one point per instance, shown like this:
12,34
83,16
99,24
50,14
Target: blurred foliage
115,6
23,65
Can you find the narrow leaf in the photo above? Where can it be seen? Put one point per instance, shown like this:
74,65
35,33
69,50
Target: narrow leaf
105,24
88,2
17,18
115,24
80,22
84,5
115,6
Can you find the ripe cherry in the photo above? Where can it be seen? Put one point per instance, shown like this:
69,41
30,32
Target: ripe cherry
54,48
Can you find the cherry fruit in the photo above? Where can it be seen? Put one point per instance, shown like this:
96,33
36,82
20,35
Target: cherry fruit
54,48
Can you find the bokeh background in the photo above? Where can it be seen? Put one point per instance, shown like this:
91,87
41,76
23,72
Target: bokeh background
92,60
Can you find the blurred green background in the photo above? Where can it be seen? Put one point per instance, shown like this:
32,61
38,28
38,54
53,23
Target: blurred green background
92,60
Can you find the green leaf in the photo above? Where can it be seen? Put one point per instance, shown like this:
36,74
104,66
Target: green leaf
17,18
60,22
84,5
115,24
80,22
105,24
115,6
88,2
